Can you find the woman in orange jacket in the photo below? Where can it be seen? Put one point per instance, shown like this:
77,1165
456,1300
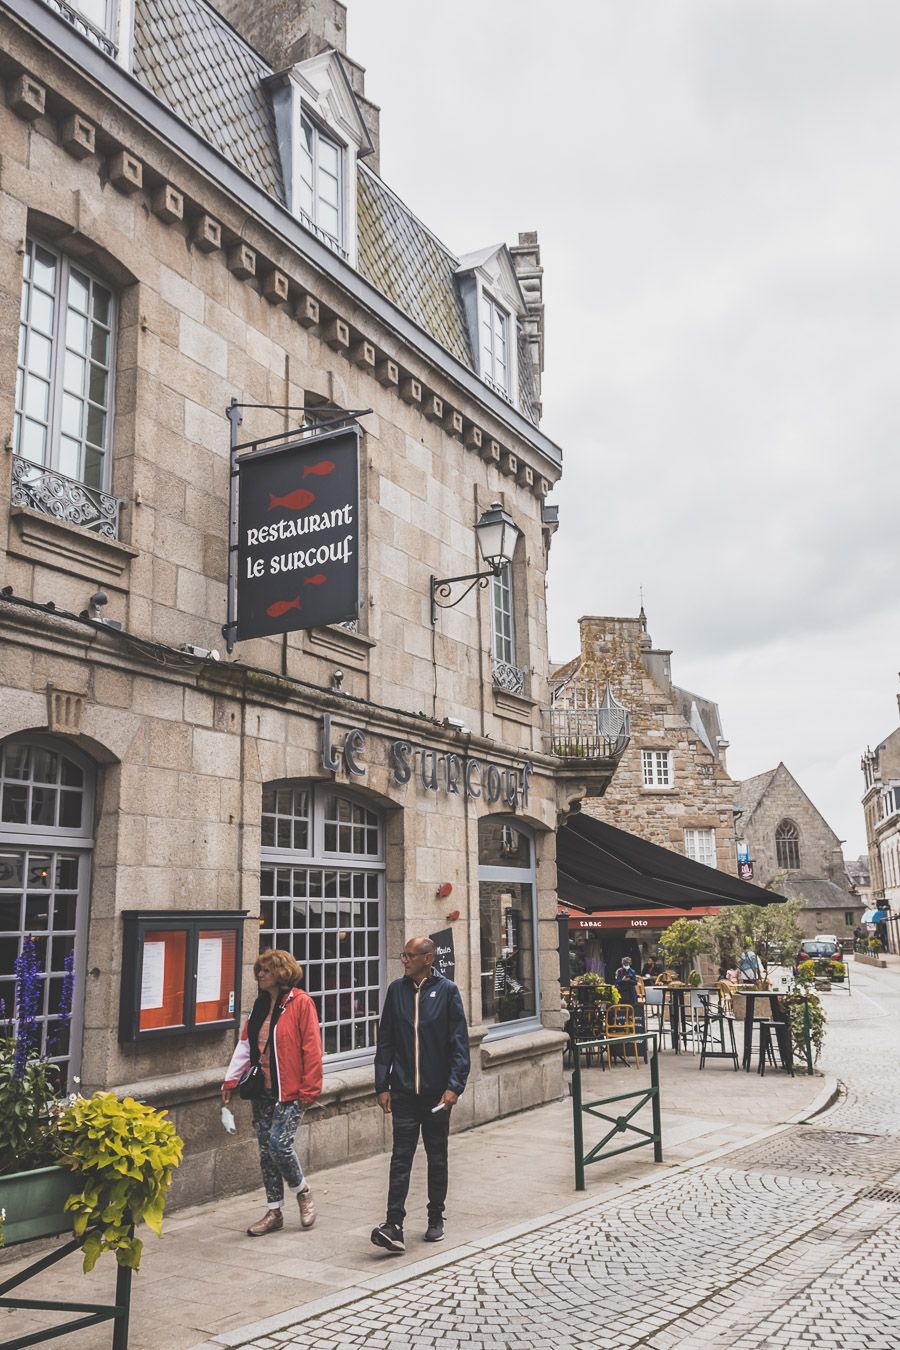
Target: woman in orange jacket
282,1039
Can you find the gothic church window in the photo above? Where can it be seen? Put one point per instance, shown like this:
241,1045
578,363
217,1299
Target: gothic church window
787,846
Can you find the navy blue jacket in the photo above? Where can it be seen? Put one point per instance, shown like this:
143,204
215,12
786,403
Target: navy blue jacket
423,1040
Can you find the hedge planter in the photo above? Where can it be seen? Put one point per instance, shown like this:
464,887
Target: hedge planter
34,1203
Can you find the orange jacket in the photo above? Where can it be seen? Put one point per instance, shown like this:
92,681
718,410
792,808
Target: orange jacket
295,1050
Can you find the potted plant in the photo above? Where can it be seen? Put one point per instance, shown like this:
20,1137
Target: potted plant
682,941
95,1163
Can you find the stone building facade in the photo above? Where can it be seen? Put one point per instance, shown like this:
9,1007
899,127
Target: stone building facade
795,850
186,221
671,787
881,807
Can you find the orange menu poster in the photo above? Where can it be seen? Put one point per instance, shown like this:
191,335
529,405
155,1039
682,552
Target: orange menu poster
162,980
215,976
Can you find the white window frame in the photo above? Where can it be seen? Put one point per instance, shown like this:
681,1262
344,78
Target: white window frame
311,217
523,876
60,839
56,379
315,857
493,314
503,619
700,845
656,769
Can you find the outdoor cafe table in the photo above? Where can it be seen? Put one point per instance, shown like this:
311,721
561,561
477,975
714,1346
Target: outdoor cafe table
677,1010
778,1016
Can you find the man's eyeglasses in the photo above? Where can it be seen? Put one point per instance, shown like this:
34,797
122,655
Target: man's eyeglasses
410,956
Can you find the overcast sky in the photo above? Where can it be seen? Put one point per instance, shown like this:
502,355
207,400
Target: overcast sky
714,183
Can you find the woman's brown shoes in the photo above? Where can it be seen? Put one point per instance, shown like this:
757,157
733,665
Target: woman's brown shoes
307,1208
271,1221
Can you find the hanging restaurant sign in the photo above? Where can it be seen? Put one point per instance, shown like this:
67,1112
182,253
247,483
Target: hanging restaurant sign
296,554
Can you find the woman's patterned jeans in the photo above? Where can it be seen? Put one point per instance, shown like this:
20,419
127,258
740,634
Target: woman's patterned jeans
276,1124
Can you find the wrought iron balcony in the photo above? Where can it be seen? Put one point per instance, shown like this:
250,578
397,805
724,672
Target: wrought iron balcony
83,26
508,677
584,726
56,495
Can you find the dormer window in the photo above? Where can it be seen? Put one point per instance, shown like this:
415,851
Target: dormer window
494,304
320,180
495,345
321,133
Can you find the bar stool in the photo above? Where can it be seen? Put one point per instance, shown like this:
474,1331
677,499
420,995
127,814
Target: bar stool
768,1032
715,1024
620,1023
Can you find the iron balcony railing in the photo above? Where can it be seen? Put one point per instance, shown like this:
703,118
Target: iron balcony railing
83,26
56,495
584,726
510,678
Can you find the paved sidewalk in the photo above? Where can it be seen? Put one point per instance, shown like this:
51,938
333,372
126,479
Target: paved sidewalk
788,1242
205,1279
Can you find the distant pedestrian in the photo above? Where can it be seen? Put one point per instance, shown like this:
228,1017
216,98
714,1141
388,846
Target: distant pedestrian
650,970
421,1069
626,978
748,964
290,1067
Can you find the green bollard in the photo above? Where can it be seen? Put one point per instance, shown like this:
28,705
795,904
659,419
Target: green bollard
807,1039
576,1119
657,1115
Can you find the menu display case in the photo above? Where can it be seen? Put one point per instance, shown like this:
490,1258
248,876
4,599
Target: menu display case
181,973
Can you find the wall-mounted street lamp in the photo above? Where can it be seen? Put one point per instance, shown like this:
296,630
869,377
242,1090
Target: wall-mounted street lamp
496,533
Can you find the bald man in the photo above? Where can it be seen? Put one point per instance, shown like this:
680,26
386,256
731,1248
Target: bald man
421,1068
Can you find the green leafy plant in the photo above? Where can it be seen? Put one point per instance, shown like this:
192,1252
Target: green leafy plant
806,972
875,945
683,940
126,1153
606,992
817,1020
771,931
694,979
28,1092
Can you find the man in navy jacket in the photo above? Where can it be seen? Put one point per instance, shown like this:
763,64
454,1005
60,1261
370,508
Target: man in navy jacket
421,1068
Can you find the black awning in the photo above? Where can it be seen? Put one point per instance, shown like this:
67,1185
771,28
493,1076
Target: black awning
600,867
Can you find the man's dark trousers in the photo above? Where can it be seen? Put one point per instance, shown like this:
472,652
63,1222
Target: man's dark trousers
411,1113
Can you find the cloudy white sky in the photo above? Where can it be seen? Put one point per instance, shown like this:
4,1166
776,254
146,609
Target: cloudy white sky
715,187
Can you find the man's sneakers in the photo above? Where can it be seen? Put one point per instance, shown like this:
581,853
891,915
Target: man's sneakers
390,1237
435,1231
271,1222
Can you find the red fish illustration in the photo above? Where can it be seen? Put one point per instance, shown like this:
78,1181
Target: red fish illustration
294,501
282,606
318,580
323,467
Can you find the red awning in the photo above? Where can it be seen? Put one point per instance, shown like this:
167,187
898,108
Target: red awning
607,919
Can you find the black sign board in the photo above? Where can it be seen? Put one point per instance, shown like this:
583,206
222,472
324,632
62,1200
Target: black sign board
445,955
297,560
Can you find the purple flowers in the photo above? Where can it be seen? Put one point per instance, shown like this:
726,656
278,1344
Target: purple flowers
28,1005
64,1010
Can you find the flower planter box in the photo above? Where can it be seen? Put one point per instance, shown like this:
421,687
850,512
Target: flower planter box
34,1203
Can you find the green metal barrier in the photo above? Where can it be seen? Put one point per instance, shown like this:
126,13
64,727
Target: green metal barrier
619,1123
91,1313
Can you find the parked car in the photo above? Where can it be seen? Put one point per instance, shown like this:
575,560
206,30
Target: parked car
822,946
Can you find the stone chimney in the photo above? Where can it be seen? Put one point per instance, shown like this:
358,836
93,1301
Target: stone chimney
285,32
526,256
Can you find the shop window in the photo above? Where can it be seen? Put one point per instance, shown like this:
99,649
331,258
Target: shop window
701,846
321,898
787,846
508,916
46,810
64,375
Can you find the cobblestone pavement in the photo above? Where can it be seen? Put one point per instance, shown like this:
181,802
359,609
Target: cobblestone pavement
789,1243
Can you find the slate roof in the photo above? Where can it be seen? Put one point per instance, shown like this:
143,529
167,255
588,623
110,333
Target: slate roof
817,892
750,793
409,265
191,59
